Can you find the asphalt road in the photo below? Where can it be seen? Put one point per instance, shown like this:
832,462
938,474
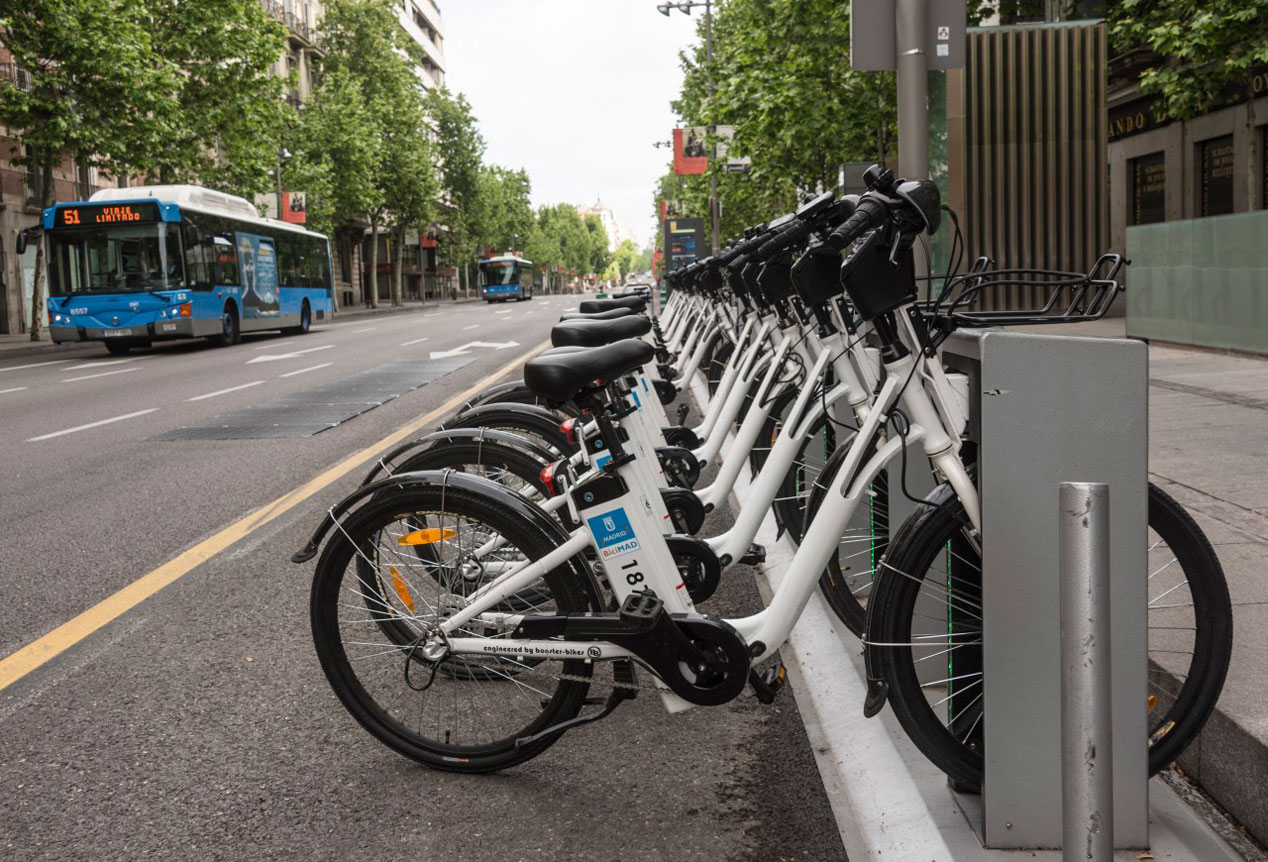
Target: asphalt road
198,723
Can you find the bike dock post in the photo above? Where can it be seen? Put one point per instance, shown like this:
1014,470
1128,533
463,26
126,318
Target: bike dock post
1047,409
1087,776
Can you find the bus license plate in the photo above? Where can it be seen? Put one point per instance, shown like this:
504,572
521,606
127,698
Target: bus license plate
114,333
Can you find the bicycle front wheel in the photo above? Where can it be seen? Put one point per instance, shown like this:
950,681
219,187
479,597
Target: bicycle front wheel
393,571
926,635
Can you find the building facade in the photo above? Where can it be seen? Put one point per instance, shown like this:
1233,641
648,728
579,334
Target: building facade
1162,169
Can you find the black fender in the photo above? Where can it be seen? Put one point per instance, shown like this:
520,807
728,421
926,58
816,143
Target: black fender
679,435
703,568
665,391
538,419
509,438
489,395
504,496
681,467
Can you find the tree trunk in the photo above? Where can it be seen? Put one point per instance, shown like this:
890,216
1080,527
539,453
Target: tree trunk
398,297
373,295
45,169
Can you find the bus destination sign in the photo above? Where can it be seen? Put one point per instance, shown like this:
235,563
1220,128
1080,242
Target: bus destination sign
89,215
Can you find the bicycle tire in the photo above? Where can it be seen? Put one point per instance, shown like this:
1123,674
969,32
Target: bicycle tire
349,675
808,465
847,580
938,528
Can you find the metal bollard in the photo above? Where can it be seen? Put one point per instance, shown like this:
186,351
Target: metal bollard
1087,775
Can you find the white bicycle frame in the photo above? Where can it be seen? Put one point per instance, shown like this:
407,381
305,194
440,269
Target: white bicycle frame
636,558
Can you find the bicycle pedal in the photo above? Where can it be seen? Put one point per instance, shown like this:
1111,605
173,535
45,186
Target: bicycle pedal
755,555
641,611
766,685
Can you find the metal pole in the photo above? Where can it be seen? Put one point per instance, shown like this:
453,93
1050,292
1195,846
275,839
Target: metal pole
715,211
913,89
1087,777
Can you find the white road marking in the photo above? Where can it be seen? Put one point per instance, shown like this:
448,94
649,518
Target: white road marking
272,344
434,314
503,311
89,425
99,374
302,370
472,326
225,391
35,364
14,389
415,341
104,363
367,329
458,351
294,353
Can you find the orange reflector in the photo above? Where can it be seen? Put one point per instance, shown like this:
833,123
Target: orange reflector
1153,701
402,591
427,536
187,309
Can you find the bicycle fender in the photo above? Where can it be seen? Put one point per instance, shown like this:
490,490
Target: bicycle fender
491,434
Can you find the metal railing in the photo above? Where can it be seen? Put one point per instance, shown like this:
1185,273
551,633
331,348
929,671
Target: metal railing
15,73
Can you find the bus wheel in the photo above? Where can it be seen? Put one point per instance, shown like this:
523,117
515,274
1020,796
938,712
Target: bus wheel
230,333
305,321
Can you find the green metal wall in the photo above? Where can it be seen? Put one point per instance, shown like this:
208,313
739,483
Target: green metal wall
1201,281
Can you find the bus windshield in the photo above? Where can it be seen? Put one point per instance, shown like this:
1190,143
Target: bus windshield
113,259
499,273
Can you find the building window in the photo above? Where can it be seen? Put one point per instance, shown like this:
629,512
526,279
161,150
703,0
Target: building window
1215,173
1147,189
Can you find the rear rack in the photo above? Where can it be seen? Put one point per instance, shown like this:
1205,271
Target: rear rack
1063,297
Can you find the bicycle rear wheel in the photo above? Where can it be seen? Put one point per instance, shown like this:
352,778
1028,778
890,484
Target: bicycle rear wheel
927,614
376,600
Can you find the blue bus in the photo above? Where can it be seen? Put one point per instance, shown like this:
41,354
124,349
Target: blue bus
506,277
132,266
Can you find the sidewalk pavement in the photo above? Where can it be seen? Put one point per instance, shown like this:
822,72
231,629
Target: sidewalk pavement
21,345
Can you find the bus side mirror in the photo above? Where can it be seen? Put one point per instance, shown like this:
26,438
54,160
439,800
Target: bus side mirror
26,235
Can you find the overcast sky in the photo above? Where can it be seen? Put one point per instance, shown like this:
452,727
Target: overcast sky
574,91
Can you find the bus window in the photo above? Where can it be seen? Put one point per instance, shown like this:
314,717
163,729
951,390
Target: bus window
126,257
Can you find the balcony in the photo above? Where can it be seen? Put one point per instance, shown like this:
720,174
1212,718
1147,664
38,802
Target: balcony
296,22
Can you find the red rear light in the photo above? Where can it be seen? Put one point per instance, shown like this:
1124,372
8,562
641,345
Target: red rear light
569,427
547,476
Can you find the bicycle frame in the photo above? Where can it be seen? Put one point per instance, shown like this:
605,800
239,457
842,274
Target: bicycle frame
628,531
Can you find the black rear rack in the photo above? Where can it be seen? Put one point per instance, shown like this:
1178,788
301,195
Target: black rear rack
1063,297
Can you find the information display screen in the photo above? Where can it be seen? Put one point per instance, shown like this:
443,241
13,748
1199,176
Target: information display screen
94,215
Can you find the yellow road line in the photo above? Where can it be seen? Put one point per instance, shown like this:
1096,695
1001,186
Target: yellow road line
26,659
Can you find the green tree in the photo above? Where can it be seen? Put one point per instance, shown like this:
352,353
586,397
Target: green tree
1203,48
459,141
626,257
784,81
503,210
369,58
97,92
600,254
226,116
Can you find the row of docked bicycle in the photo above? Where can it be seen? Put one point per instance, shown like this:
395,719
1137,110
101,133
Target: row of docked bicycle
537,560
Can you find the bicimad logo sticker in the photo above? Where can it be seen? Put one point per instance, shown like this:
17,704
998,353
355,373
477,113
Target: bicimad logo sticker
613,534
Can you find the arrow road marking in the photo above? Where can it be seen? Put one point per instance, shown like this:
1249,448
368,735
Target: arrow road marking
273,357
458,351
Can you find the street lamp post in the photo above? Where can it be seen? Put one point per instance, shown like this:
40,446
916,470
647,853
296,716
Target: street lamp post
685,6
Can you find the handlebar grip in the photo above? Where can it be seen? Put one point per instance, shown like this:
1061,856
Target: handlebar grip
793,233
869,214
